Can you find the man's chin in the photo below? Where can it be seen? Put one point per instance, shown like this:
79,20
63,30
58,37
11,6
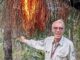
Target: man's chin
57,37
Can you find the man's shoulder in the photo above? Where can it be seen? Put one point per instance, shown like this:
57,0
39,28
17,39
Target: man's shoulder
67,41
49,37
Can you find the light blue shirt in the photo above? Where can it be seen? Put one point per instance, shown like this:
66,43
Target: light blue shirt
65,50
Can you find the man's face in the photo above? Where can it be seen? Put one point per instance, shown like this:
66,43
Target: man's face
58,29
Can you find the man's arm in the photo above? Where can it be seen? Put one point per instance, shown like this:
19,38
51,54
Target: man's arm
33,43
72,55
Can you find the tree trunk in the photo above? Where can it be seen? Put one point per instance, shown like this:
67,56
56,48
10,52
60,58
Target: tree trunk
8,18
7,44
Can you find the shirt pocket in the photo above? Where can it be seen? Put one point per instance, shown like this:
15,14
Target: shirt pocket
47,55
62,55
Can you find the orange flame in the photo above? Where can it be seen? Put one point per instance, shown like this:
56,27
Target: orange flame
35,14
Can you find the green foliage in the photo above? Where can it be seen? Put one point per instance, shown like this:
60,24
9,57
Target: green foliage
1,1
38,35
1,52
78,31
33,54
26,53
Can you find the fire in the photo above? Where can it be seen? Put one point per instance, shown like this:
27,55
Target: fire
29,8
35,14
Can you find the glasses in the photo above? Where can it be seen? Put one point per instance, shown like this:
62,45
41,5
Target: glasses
60,28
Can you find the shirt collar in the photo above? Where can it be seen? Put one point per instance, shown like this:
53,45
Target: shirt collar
61,41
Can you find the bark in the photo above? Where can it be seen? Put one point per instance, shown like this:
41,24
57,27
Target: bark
8,18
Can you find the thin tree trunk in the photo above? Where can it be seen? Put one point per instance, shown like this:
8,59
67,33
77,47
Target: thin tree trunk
8,18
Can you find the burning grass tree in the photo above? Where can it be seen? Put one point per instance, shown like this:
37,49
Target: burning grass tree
34,15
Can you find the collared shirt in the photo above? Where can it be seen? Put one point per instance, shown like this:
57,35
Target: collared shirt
65,50
54,47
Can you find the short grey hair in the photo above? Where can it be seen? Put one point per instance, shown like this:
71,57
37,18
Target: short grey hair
59,21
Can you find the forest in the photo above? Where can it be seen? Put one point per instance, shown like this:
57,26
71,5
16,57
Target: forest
33,19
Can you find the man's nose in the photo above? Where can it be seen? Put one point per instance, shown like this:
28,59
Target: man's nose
57,29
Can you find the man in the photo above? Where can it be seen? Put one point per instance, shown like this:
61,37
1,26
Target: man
56,47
